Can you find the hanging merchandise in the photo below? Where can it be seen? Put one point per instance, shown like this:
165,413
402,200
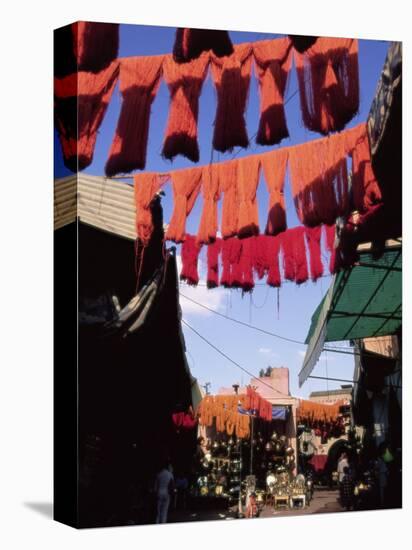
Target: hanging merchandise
295,267
272,254
190,43
208,225
139,82
146,185
313,236
96,45
301,42
231,76
366,192
223,409
80,103
231,266
185,83
228,188
82,46
184,420
247,183
319,179
190,255
274,170
330,234
186,187
272,66
312,411
213,251
247,263
328,77
243,259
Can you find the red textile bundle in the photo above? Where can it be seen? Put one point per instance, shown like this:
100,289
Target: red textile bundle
313,236
231,75
81,100
190,256
231,265
274,170
82,46
328,77
247,183
247,262
139,82
365,189
330,232
272,65
319,179
190,43
96,45
294,255
186,187
272,254
261,264
213,251
228,186
210,189
185,83
146,186
184,420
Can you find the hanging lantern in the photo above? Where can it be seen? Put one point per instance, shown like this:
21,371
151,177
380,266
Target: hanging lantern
274,436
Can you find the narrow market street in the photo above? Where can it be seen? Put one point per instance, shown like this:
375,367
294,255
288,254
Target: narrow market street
239,338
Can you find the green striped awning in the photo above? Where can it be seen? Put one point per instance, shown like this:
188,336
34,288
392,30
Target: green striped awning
363,301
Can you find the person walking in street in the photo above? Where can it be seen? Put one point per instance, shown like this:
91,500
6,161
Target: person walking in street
164,485
348,489
342,464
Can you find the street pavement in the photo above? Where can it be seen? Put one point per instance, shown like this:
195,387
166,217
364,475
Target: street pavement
324,501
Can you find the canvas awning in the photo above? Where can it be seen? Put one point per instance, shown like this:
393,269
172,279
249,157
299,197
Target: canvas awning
279,412
362,301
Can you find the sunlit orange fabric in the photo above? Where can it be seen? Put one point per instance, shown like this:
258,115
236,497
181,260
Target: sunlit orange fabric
328,77
139,82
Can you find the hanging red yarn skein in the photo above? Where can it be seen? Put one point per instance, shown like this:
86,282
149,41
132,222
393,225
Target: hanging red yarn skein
190,255
81,101
139,83
185,83
272,65
228,187
186,187
294,255
247,183
210,189
231,76
213,251
274,170
313,236
328,77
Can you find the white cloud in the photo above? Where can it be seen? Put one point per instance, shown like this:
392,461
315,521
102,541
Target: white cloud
301,353
264,350
211,298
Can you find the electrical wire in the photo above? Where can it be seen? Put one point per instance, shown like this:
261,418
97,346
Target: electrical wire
268,333
223,354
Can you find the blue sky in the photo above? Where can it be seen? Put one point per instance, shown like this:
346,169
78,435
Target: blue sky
251,349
